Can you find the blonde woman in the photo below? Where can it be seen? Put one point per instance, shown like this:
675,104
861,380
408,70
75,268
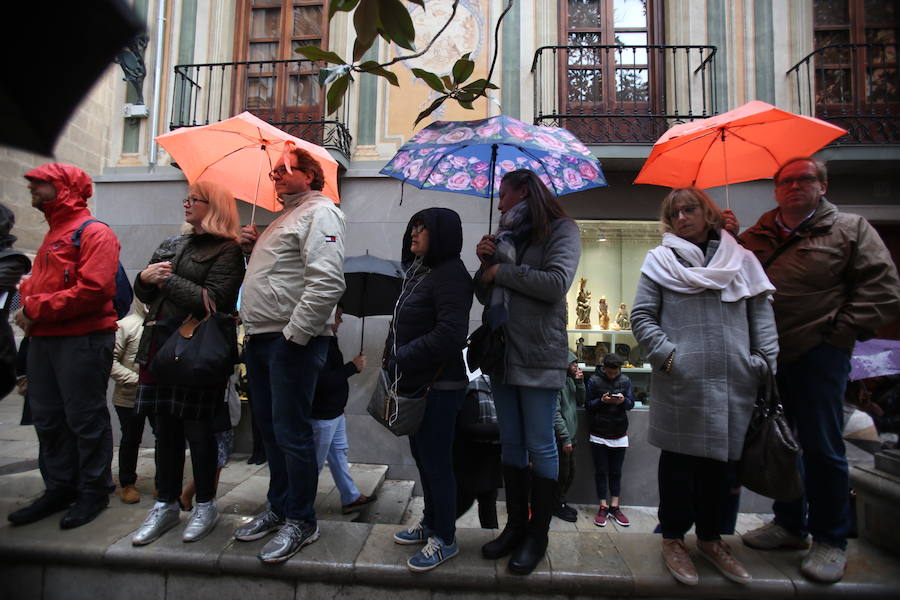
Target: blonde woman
207,257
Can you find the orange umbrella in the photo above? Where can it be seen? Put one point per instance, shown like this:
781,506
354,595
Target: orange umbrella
239,153
744,144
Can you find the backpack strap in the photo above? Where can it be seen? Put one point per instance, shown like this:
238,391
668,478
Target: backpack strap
76,235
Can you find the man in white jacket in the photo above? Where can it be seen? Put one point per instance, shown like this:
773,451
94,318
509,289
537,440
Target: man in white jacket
294,280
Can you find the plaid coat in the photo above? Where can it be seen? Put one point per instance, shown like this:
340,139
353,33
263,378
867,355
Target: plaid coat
702,406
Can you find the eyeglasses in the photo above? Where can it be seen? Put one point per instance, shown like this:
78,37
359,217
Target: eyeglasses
192,200
688,211
282,171
803,181
417,228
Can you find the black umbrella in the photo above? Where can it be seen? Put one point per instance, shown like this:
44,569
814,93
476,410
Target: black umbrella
373,286
47,73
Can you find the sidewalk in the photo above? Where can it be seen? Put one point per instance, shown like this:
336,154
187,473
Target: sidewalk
356,556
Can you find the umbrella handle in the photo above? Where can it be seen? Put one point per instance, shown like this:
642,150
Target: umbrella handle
725,166
493,175
262,155
362,335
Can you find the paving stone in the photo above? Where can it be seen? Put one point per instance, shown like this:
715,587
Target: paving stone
16,432
318,591
587,563
247,498
85,583
197,586
22,581
391,506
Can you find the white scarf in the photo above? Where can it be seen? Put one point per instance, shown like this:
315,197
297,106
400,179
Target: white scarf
732,270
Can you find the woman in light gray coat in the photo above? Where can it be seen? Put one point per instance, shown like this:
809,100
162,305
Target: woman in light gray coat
701,310
526,270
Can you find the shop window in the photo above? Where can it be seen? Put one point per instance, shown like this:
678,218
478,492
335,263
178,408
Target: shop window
612,253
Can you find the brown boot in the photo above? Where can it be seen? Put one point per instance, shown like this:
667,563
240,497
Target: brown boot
719,554
130,495
679,562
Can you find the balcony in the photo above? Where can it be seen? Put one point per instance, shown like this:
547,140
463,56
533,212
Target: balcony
622,94
286,93
854,86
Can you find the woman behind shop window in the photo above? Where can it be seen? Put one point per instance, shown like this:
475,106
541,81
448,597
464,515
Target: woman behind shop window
701,310
526,270
424,348
206,258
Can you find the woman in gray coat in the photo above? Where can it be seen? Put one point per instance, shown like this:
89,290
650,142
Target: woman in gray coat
526,270
701,311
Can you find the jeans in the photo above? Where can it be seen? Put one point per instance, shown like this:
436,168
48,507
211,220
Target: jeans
691,493
132,427
525,417
331,443
607,468
812,390
282,377
67,378
432,449
170,446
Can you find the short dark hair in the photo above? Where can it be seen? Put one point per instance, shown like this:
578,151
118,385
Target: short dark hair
821,169
308,164
613,361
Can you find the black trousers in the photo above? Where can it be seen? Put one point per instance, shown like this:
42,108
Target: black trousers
607,468
691,493
132,427
566,472
170,448
487,506
67,377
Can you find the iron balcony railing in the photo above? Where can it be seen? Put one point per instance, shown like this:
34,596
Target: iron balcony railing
613,94
854,86
286,93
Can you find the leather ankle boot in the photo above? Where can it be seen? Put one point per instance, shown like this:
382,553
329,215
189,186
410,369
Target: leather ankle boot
532,549
516,482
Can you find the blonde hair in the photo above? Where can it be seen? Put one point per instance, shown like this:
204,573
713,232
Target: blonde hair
711,213
222,218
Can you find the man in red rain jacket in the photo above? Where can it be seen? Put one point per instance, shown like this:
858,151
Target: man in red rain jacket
67,310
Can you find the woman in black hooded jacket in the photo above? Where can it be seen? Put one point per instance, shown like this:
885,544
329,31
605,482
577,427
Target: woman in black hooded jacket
424,347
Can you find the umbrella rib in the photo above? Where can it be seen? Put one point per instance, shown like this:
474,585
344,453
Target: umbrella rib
223,157
526,152
766,148
715,137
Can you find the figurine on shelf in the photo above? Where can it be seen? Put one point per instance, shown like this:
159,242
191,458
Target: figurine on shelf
579,349
583,308
603,313
622,320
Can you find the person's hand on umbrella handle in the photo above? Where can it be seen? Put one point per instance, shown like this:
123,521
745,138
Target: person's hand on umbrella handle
731,224
359,362
249,234
156,273
485,250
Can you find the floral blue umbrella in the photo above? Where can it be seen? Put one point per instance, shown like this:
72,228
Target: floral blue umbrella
471,157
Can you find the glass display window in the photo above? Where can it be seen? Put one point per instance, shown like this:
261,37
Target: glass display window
602,295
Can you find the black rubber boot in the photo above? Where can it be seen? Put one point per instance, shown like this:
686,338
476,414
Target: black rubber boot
516,481
530,552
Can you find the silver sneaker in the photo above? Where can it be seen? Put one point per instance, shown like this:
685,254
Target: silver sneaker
262,525
159,521
289,540
203,519
824,563
772,535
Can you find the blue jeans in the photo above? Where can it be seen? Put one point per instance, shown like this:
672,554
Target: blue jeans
432,449
812,390
282,377
331,443
525,417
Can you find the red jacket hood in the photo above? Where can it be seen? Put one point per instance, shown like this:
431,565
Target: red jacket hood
73,188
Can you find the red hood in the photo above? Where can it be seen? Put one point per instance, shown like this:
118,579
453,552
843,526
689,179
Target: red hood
73,188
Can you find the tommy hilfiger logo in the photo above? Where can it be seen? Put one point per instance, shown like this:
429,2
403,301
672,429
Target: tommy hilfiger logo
330,238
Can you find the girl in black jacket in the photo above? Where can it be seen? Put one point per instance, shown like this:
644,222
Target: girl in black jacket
424,347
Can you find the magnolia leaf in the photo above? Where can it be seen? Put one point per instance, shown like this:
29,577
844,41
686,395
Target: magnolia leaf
341,6
316,53
466,97
465,104
395,23
463,68
430,109
418,2
335,95
448,82
373,67
433,81
479,85
365,21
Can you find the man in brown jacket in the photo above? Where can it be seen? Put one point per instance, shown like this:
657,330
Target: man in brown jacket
835,283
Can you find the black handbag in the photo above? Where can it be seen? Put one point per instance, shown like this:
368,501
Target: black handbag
770,462
486,349
199,352
400,413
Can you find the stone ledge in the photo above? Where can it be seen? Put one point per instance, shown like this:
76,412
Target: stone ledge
351,555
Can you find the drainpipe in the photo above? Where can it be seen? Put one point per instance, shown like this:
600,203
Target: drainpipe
157,81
